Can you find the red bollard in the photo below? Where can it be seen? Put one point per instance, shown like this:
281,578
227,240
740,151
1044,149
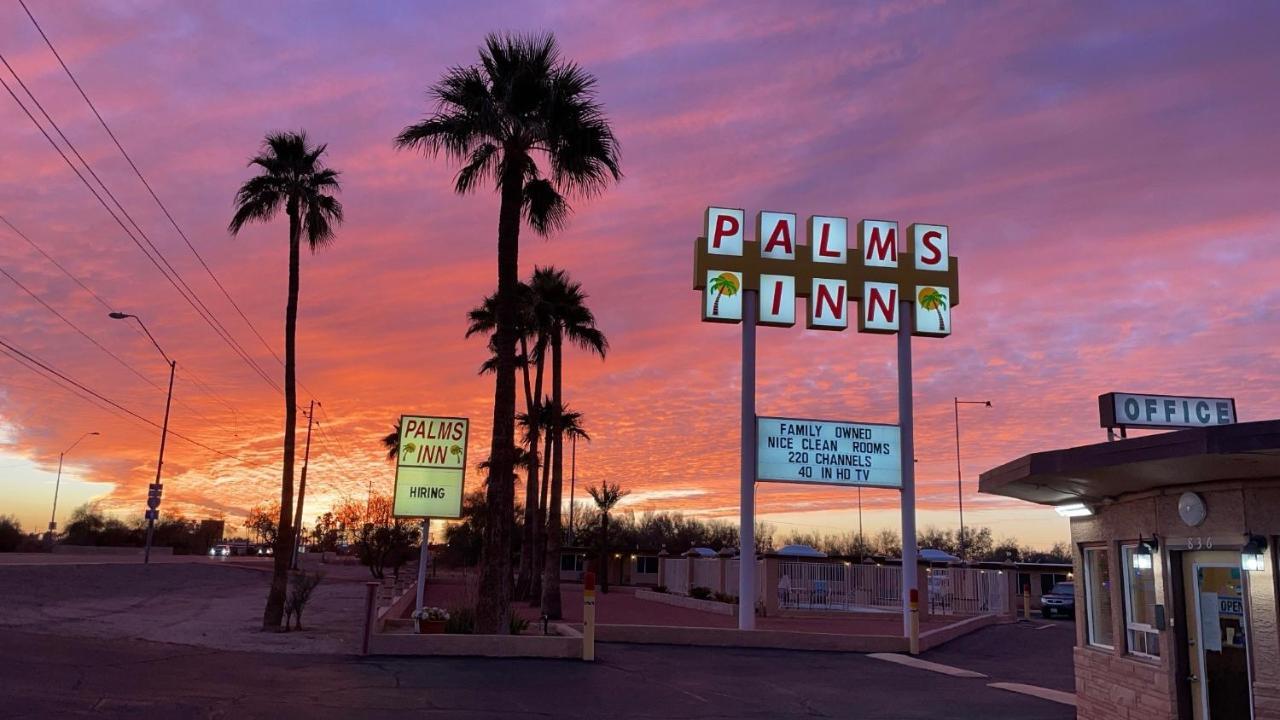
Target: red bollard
370,591
588,616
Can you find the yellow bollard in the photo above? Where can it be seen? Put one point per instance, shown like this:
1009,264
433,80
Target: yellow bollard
589,616
914,641
1026,603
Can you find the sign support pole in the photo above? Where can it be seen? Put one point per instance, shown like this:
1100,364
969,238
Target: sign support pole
906,424
747,513
423,559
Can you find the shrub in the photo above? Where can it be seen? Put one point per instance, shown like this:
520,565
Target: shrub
304,583
727,598
660,589
10,533
430,613
518,624
699,592
462,621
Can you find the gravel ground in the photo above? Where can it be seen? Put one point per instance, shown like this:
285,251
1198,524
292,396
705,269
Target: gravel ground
203,602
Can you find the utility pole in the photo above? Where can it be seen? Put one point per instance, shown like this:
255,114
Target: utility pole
573,483
53,523
157,488
302,489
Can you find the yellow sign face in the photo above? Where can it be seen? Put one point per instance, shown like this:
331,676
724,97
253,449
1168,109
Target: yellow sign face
430,466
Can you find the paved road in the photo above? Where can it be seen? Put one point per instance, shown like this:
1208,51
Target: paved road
1028,653
43,676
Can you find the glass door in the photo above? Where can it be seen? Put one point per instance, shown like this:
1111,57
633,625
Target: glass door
1217,632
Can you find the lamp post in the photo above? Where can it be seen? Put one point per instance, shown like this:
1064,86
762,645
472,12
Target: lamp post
53,523
157,488
959,477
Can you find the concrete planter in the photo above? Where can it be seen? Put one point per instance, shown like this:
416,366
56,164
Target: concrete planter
429,627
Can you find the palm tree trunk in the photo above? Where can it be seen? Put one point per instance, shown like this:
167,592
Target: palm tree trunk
715,306
551,563
942,324
493,607
274,613
524,579
604,552
540,530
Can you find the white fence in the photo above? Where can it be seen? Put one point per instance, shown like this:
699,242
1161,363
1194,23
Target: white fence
731,579
676,575
838,586
706,573
967,591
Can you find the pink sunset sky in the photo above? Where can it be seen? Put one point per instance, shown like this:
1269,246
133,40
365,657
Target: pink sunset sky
1109,174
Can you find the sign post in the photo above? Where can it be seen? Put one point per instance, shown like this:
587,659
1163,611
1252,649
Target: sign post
589,615
747,472
907,293
431,465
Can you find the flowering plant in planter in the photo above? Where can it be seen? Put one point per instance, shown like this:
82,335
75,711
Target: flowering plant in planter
431,613
430,620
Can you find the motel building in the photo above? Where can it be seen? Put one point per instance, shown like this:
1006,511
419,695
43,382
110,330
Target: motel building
1174,538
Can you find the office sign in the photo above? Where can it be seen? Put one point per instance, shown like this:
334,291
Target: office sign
1131,410
430,466
826,452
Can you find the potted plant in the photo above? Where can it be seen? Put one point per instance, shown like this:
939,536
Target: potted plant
430,620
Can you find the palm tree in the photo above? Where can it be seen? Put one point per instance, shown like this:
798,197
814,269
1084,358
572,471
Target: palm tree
722,284
570,425
606,497
391,441
931,299
483,319
293,176
521,103
562,305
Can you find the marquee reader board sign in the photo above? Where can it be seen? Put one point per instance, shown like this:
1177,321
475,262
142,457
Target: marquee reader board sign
1131,410
828,452
430,466
829,271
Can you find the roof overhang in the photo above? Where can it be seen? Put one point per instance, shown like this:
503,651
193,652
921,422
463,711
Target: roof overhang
1246,451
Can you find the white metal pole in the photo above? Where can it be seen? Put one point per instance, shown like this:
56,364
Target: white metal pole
747,513
423,560
906,423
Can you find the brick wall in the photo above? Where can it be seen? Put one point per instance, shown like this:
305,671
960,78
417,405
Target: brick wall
1115,687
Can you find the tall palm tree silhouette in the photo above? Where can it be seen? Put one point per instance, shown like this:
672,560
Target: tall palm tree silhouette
521,104
293,177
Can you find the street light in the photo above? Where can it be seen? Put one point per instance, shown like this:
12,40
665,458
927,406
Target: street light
156,489
53,524
959,477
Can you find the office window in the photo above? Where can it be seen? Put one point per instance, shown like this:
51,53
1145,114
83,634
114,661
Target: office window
1139,607
1024,582
1048,580
571,562
1097,596
647,565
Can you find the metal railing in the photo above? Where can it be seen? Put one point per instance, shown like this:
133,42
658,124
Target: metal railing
967,591
838,586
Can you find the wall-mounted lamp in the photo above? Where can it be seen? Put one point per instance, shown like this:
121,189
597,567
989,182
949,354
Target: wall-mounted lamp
1143,554
1075,509
1251,553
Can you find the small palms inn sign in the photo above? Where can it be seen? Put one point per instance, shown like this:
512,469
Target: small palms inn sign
828,271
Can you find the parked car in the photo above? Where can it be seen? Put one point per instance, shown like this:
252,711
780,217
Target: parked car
1061,598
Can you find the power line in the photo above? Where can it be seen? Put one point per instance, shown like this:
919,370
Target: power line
136,171
146,184
189,295
190,374
108,352
49,370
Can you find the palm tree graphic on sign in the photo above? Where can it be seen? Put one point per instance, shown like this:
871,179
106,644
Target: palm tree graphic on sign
724,284
456,451
409,449
931,299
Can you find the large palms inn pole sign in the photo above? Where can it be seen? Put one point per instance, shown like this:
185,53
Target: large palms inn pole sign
909,292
